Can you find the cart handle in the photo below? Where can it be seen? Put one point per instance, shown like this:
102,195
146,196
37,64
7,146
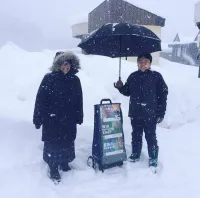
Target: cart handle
106,100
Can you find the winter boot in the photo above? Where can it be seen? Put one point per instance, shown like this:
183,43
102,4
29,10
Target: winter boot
153,162
54,173
135,156
65,167
153,156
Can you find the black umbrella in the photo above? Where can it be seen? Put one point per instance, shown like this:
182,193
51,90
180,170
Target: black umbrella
121,40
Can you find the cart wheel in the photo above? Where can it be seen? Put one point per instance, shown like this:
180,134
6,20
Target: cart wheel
90,162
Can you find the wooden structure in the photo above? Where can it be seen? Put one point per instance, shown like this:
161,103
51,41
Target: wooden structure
116,11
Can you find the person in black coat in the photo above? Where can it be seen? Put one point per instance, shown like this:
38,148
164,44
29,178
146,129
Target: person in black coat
58,109
148,100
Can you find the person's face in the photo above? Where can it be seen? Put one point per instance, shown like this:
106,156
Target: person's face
65,68
144,64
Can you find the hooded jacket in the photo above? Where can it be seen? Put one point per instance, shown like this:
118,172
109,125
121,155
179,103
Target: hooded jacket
59,102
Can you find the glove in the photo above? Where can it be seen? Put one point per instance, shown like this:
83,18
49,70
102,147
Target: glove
118,84
37,122
159,120
79,122
37,126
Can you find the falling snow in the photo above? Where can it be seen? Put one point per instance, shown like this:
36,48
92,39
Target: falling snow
23,172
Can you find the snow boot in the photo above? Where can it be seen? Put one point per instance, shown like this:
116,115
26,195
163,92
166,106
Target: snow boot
153,162
65,167
54,173
135,156
153,156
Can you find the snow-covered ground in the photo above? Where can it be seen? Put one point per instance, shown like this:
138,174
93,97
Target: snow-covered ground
24,174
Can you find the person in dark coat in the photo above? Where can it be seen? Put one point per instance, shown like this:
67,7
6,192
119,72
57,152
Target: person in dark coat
58,109
148,100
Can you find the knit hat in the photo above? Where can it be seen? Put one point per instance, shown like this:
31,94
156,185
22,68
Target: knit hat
145,55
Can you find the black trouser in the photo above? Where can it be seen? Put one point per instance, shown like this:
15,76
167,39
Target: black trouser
149,128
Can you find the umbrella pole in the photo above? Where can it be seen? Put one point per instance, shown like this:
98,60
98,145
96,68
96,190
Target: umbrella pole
120,59
120,63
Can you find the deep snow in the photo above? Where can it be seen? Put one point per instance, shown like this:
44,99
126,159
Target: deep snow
24,174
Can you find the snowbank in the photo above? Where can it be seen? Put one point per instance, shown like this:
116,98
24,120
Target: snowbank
23,173
21,73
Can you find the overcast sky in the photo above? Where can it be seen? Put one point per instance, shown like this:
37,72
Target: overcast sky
55,17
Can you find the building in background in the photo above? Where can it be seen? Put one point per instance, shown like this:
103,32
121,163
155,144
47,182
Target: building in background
184,50
116,11
197,20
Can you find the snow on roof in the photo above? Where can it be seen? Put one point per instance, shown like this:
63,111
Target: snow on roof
185,39
83,18
151,6
182,43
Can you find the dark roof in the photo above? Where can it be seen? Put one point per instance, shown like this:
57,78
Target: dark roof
116,11
176,38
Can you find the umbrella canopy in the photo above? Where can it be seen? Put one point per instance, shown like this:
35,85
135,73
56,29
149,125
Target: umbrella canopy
121,40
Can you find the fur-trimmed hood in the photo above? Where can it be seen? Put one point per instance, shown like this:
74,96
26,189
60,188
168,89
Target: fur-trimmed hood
70,57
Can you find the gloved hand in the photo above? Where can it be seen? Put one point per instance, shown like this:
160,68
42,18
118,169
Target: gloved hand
79,122
37,126
159,120
37,121
118,84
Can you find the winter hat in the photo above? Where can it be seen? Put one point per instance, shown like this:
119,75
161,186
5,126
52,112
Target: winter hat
145,55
